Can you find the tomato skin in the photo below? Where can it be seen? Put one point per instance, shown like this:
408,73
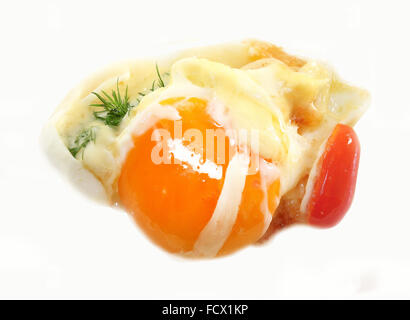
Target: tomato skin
335,184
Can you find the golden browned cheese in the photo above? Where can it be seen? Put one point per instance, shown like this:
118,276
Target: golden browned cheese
262,50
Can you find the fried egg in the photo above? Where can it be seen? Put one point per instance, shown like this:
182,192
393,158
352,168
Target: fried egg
201,148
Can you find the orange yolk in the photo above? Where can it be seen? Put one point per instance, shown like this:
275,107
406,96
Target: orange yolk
173,202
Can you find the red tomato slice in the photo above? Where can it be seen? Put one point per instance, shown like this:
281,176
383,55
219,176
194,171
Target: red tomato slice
333,190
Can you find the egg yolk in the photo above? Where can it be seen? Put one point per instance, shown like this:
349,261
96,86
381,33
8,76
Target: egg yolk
172,202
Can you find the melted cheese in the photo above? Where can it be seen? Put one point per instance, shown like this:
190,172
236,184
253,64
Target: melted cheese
247,105
218,229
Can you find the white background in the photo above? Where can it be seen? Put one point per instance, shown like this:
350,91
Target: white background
56,244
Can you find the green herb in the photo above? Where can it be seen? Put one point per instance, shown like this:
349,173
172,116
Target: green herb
114,107
82,140
157,83
161,83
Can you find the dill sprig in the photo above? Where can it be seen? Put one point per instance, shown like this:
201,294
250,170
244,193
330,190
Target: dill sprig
82,140
161,83
114,107
157,83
